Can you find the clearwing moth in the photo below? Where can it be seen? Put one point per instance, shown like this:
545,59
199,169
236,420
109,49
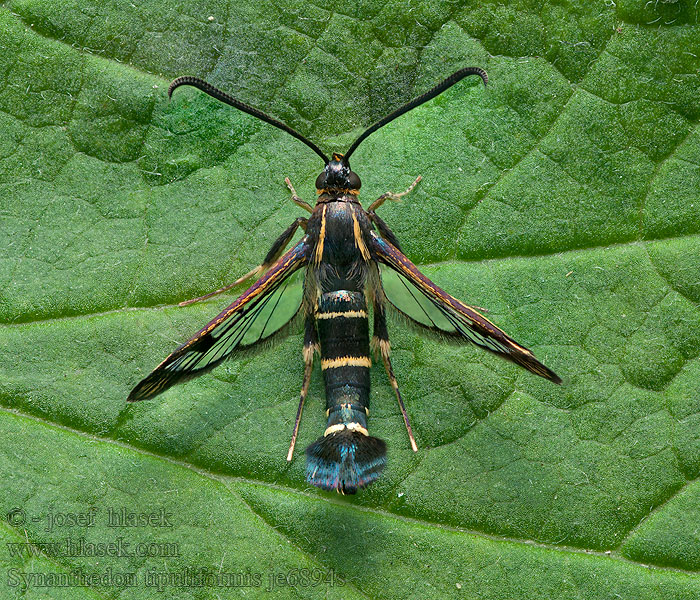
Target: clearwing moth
340,254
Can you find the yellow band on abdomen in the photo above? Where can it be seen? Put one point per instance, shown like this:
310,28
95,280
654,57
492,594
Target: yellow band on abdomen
345,361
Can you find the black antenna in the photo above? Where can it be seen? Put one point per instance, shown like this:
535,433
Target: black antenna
207,88
438,89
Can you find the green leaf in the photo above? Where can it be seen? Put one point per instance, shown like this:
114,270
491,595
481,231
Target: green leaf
563,198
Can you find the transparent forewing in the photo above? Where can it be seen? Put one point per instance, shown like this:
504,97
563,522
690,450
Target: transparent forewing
411,302
433,313
423,302
257,321
263,318
260,312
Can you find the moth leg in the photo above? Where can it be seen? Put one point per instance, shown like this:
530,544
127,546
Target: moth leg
392,196
383,229
274,253
310,346
298,201
381,344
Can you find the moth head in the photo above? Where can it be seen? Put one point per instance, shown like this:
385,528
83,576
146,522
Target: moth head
338,175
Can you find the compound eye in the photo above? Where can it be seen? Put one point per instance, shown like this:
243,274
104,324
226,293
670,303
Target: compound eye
354,181
321,181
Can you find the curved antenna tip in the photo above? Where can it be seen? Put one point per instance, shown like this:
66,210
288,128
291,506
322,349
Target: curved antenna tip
221,96
429,95
462,73
481,73
185,80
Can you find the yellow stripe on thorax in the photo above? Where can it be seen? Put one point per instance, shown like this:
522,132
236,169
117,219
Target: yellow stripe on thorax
359,241
318,254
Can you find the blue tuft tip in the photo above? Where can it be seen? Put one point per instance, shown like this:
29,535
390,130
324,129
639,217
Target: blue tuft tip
345,461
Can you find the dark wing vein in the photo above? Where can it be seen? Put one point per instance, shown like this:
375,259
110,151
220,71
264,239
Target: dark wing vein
448,316
256,315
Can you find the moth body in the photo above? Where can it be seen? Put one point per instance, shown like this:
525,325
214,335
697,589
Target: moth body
340,255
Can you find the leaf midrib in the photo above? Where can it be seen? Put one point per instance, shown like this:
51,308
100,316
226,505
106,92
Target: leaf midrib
227,480
427,265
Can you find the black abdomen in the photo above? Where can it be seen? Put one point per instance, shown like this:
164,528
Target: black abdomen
343,333
346,458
